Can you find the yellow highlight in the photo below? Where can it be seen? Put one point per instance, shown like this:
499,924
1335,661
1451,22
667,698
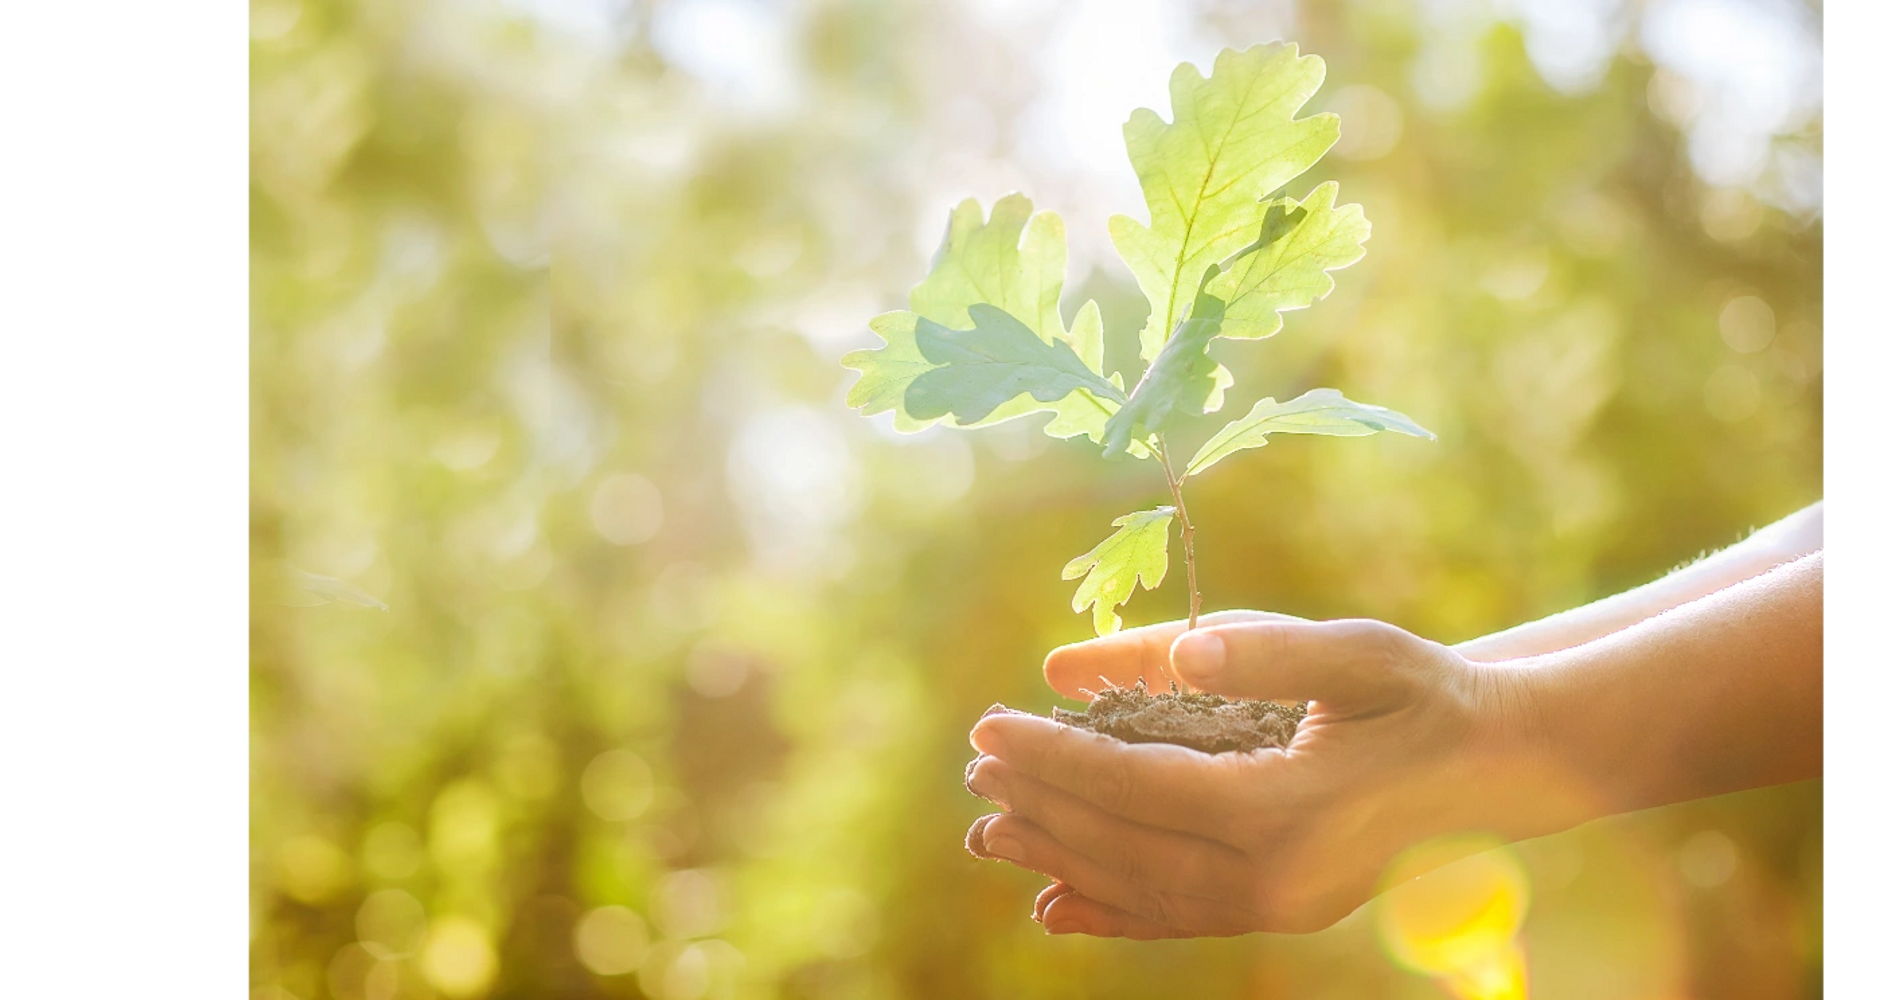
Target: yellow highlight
312,869
458,959
1458,921
610,941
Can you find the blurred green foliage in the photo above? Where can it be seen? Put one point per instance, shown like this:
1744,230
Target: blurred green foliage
671,692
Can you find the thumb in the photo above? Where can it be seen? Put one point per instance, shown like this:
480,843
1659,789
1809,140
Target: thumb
1340,662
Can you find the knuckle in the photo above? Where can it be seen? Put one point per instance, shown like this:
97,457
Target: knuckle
1166,909
1132,865
1382,639
1274,643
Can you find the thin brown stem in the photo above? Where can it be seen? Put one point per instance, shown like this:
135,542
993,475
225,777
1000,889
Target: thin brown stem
1174,483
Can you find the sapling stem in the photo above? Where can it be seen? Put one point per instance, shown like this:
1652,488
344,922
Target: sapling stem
1174,483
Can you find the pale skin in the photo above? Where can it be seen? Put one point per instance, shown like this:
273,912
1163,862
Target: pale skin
1704,682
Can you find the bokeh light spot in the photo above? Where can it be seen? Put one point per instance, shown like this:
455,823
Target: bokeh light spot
273,19
627,509
716,669
466,450
391,923
1791,365
1517,276
687,904
464,827
610,941
684,596
1707,859
357,973
1373,122
1731,214
1747,324
458,959
312,869
676,971
1673,98
617,785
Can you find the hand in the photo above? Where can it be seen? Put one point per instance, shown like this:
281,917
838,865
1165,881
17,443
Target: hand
1405,740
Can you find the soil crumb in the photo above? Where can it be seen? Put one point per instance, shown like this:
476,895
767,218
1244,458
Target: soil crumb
1204,722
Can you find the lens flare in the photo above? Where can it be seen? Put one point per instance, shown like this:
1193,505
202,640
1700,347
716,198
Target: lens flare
1458,922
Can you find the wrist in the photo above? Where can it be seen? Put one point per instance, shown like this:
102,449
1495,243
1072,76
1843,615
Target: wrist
1544,781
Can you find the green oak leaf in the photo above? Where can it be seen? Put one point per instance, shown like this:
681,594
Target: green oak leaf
980,369
1288,266
1133,555
1320,411
1233,139
1083,412
1182,381
1015,260
888,370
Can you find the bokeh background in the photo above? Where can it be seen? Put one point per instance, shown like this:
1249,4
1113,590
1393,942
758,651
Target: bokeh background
598,650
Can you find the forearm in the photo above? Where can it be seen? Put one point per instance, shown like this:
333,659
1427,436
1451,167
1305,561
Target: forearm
1786,540
1720,694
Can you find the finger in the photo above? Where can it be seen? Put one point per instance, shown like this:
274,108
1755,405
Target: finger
1120,659
973,840
1146,856
1156,784
1339,662
1020,842
1048,895
1073,913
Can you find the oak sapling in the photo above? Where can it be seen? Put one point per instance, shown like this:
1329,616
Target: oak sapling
1224,254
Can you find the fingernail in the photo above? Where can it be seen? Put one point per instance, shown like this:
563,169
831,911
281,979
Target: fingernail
999,709
985,739
984,785
1198,654
968,774
1003,846
1047,898
974,839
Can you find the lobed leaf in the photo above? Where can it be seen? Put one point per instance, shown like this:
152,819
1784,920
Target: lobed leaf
1134,555
980,369
1288,267
1233,139
887,371
1320,411
1182,381
1016,261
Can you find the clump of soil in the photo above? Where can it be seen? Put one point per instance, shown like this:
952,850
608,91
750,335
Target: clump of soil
1204,722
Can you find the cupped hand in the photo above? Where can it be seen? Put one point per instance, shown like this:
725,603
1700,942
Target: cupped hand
1405,740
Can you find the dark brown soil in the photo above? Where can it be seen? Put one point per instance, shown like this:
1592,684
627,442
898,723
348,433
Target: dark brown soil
1204,722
